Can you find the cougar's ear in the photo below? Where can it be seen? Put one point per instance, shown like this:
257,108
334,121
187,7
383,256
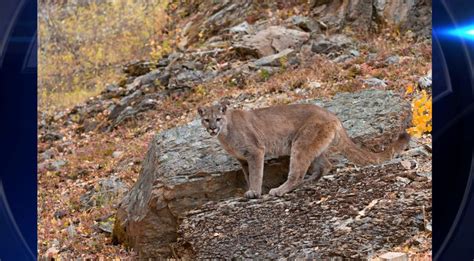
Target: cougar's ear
224,105
200,111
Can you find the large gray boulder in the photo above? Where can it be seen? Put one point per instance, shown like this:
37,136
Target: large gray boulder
356,14
271,40
412,15
185,168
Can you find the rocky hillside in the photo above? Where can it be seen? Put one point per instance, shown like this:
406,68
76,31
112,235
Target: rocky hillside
129,173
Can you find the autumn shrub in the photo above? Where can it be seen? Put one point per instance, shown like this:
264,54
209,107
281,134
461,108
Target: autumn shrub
82,47
421,112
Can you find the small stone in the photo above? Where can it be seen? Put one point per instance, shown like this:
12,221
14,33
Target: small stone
354,53
371,56
59,115
138,68
274,59
410,34
57,165
426,81
406,164
43,166
189,75
320,46
428,226
71,231
393,59
241,28
48,154
111,88
293,60
375,82
117,154
394,256
342,58
55,243
112,185
314,85
51,253
425,174
59,214
52,136
305,23
403,180
329,177
106,227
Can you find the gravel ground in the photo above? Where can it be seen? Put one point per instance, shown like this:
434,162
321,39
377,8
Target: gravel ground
349,213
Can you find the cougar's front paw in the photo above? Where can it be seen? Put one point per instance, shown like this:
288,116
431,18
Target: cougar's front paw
251,194
277,192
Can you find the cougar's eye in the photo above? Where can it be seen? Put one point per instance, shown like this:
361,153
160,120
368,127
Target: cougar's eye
218,119
206,120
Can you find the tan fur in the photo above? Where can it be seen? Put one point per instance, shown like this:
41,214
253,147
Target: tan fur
302,131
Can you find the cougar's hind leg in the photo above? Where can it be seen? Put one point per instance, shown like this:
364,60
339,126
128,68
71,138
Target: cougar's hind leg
318,168
310,142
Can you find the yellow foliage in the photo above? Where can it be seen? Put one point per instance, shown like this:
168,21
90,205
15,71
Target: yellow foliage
159,49
422,115
65,99
82,47
200,90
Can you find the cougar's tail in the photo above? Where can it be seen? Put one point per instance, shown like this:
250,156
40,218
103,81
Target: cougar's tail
361,156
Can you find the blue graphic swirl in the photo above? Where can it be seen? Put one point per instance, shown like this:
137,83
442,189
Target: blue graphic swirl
16,244
453,130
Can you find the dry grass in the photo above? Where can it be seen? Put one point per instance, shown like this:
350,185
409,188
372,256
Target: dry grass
83,46
55,101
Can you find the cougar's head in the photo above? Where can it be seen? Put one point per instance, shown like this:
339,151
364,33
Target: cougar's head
213,117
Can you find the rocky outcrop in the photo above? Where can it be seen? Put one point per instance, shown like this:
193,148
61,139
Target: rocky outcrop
227,28
185,168
147,85
210,18
411,15
367,15
338,14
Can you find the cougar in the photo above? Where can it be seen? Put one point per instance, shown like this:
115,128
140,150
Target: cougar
302,131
